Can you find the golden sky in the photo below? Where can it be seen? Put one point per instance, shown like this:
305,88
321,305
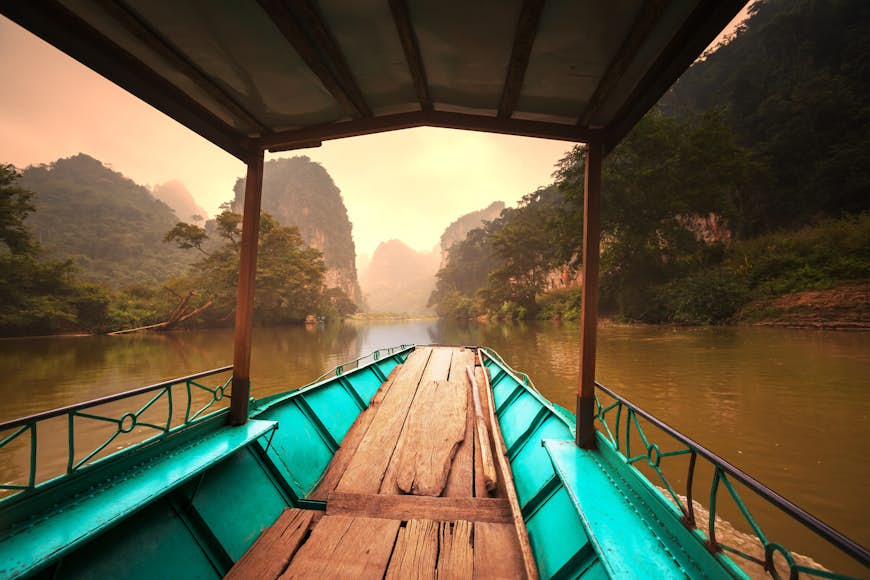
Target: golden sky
407,185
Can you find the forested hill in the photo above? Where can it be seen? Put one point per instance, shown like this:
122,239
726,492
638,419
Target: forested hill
110,226
457,230
746,184
793,86
299,192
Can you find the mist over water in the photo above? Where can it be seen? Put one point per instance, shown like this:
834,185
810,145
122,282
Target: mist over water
790,407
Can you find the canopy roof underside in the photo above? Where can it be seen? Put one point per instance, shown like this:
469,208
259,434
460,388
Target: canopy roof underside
285,74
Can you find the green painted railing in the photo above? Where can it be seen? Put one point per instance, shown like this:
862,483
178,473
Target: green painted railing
163,401
355,363
626,423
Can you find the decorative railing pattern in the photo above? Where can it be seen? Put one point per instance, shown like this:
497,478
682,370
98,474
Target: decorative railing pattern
626,421
163,402
355,363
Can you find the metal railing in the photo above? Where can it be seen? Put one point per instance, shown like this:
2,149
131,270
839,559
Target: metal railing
124,423
626,421
375,356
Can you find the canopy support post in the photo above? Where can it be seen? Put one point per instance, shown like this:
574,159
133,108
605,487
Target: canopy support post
589,320
241,389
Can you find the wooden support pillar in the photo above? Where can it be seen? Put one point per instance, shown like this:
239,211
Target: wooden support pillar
241,389
589,321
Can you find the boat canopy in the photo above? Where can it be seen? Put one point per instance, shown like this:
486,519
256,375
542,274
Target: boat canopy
287,74
276,75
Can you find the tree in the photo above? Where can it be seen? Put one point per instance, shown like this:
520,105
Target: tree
187,236
38,296
14,208
289,273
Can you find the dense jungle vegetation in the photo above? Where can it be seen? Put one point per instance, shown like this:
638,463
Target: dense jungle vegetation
747,181
120,259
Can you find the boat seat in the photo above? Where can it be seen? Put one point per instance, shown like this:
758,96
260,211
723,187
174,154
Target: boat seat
633,537
34,542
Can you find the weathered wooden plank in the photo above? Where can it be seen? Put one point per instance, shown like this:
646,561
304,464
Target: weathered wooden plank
351,441
438,368
490,479
460,481
455,555
435,428
416,551
496,552
366,469
522,534
275,547
343,547
405,507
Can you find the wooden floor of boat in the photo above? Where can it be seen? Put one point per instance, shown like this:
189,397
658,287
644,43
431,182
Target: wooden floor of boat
399,502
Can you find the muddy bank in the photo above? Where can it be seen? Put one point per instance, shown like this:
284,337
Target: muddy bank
841,308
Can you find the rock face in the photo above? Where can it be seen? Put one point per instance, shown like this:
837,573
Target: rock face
457,231
111,227
299,192
175,195
400,279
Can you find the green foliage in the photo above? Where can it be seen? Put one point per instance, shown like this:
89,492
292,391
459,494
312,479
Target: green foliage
109,226
793,85
709,296
561,304
289,276
14,207
39,296
187,236
810,258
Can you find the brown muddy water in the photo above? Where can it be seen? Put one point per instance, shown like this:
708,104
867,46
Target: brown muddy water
790,407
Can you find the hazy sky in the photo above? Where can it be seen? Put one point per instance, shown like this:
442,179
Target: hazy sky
406,184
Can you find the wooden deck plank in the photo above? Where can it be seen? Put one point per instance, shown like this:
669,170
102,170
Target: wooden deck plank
435,427
344,547
479,482
405,507
366,468
505,475
455,554
275,547
438,368
416,551
336,468
497,552
460,481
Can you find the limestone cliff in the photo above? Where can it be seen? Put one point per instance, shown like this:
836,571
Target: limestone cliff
400,279
299,192
457,231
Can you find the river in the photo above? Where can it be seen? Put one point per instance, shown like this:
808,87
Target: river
791,407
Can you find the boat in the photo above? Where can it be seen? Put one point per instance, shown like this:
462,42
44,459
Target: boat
418,460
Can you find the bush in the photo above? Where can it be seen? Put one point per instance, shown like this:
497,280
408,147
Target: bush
711,296
564,304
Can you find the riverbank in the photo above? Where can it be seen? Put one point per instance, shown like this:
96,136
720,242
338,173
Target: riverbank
840,308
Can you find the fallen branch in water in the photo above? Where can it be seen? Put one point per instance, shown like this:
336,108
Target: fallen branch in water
177,317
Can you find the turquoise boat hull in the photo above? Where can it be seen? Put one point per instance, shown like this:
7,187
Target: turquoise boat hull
190,504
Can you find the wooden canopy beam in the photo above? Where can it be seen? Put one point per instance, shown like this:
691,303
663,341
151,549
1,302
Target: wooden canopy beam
702,26
296,138
60,27
650,12
408,38
589,309
315,45
135,26
241,385
524,39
